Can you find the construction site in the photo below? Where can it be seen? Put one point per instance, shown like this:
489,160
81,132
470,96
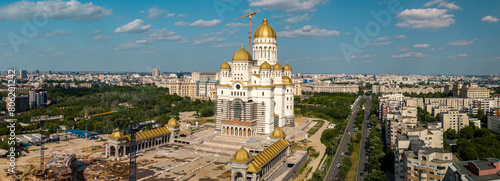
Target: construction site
200,154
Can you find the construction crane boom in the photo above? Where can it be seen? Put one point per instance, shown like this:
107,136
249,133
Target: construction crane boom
249,28
86,127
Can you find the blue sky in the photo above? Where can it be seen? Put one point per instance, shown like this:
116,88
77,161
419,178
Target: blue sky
314,36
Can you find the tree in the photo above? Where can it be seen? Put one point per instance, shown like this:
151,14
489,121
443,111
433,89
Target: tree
350,148
450,134
467,132
207,113
376,175
483,132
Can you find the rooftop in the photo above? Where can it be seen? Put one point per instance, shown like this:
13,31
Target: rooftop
483,164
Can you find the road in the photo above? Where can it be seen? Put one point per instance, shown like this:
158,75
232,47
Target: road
348,133
363,156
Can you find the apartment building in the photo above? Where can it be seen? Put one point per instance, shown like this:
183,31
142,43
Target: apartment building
455,120
426,164
494,124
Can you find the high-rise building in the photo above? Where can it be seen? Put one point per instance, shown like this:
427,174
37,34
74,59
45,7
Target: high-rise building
21,104
255,93
156,72
37,98
23,74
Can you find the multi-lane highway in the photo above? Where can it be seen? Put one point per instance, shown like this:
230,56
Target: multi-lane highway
342,148
363,156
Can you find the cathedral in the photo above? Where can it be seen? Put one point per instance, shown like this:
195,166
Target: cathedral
255,93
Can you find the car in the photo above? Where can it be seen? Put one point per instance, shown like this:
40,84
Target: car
338,165
349,132
361,174
342,153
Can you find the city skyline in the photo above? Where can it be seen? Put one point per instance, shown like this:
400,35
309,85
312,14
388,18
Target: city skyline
420,37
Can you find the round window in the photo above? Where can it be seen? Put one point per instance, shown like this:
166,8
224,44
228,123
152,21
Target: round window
238,86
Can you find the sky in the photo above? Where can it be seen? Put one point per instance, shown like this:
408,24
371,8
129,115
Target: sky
314,36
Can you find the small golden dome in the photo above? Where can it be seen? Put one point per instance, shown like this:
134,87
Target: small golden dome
117,134
242,55
225,65
241,155
288,67
264,30
278,133
265,66
277,66
173,122
287,80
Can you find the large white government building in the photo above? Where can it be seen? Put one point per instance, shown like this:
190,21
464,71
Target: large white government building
255,95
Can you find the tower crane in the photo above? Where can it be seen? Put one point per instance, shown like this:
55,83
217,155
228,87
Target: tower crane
249,28
87,117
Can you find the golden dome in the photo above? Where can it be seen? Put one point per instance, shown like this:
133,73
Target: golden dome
173,122
241,155
288,67
277,66
242,55
265,66
117,134
264,30
225,65
287,80
278,133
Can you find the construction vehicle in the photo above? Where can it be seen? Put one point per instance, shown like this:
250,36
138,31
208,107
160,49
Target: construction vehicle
249,28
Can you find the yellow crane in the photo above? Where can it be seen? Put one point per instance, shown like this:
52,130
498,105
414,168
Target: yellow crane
87,117
249,28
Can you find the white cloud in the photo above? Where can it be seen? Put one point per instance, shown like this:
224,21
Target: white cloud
400,36
203,23
299,18
490,19
440,48
287,5
163,34
170,15
96,31
133,27
226,45
155,12
410,55
181,15
181,23
276,16
102,37
403,49
463,55
384,38
329,58
310,31
461,42
430,3
53,9
200,23
128,45
50,53
209,40
425,18
353,56
451,6
234,25
368,61
369,56
421,46
58,33
379,43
